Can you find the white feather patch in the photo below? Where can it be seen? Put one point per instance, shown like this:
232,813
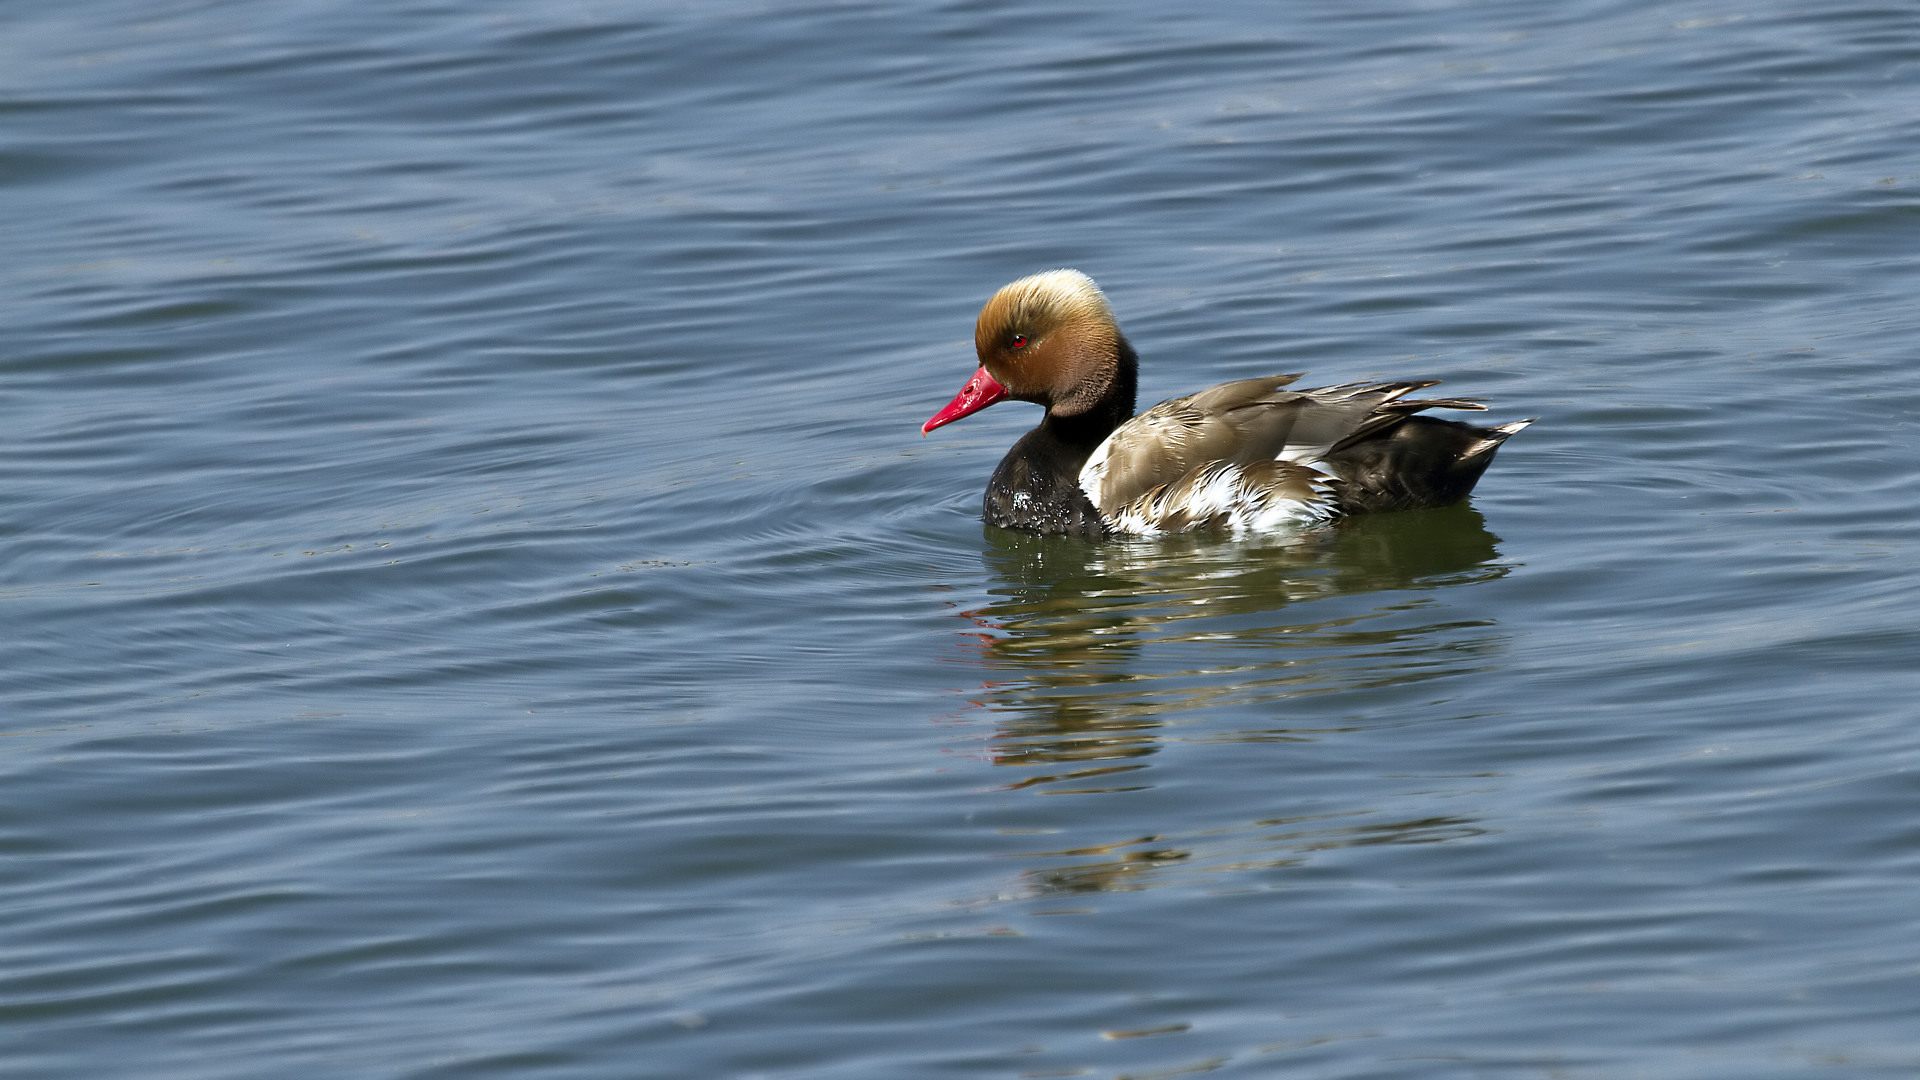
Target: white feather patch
1223,496
1095,470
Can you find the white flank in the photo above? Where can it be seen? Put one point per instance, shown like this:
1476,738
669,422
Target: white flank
1223,494
1095,471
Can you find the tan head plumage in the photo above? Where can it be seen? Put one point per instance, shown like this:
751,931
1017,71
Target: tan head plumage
1050,338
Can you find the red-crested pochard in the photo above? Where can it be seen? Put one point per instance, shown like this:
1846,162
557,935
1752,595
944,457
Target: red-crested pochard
1244,456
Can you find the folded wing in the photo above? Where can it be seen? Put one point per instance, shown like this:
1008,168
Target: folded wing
1252,455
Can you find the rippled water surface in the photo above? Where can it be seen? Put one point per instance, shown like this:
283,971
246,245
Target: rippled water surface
477,602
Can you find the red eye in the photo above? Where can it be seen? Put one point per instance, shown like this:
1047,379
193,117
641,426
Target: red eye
1019,341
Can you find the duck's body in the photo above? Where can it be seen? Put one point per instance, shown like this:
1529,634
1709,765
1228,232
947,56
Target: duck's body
1242,456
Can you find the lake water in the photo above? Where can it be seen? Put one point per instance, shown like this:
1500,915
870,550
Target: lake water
477,602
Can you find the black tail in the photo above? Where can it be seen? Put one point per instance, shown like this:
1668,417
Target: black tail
1420,462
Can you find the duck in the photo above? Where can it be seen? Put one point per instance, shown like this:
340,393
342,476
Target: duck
1247,456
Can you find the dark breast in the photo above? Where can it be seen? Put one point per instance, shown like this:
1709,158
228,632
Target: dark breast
1036,489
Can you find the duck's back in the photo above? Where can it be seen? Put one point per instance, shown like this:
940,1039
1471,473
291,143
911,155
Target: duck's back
1249,455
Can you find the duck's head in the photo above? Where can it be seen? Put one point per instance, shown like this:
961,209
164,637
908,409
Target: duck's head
1049,339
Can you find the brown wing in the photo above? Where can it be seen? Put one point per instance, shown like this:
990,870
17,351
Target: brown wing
1239,423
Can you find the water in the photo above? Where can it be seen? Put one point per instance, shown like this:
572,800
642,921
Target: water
478,604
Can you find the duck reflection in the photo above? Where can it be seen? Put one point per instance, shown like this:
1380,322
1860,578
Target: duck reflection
1094,651
1135,864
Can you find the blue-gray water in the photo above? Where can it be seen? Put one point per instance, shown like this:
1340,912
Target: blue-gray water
477,603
